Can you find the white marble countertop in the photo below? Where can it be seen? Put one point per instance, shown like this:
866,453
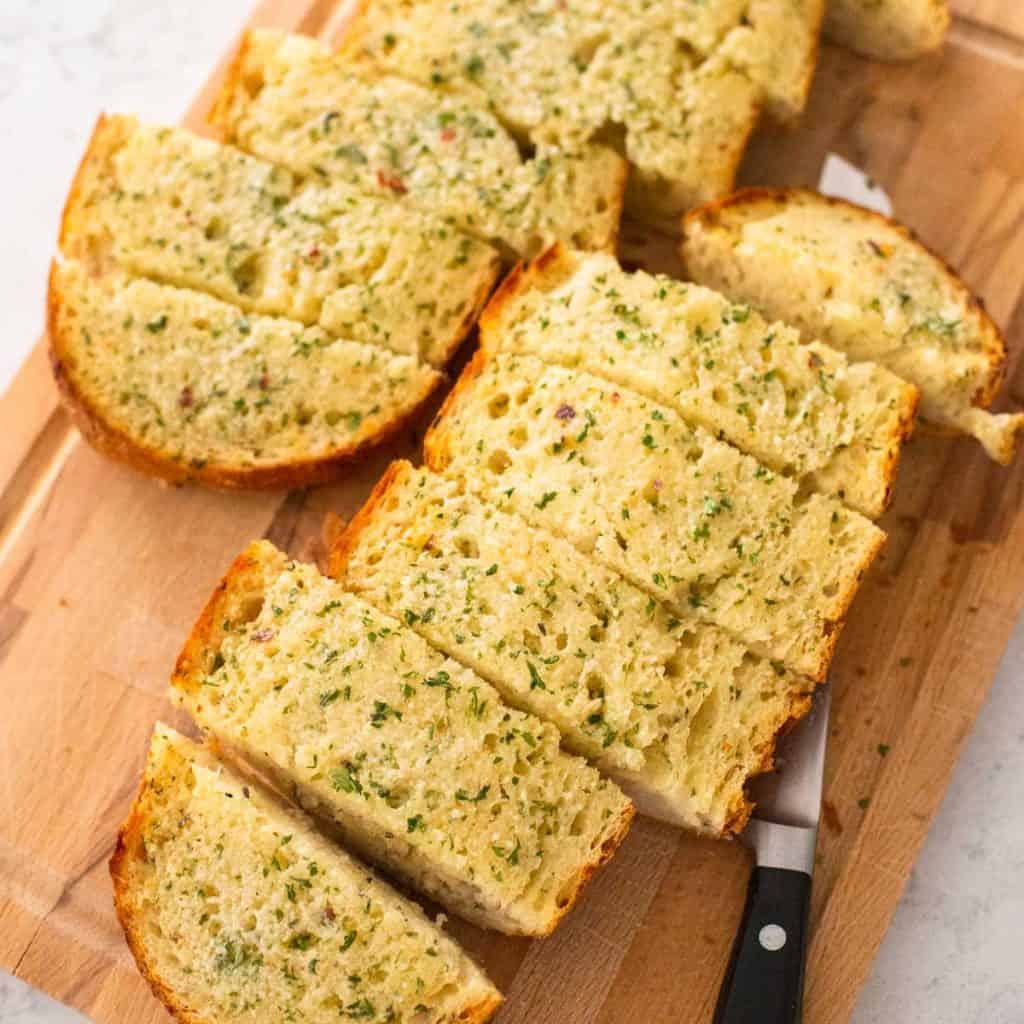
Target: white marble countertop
953,954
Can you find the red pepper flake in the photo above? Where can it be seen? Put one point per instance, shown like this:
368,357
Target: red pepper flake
391,181
815,360
329,914
448,134
615,396
314,254
264,382
565,412
186,399
263,634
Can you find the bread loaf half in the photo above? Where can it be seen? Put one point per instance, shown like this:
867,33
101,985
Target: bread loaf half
235,908
413,758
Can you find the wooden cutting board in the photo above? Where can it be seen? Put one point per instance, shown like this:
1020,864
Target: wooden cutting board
102,572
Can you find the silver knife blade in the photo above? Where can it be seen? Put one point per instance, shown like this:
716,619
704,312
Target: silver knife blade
784,828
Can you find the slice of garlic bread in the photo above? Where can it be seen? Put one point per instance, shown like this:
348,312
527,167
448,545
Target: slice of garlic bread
675,86
801,409
289,100
414,758
674,709
165,204
866,286
888,29
235,908
686,517
186,387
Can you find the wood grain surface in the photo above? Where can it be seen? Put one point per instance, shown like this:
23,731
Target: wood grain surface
102,572
1004,16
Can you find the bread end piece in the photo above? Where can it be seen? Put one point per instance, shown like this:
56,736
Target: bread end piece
81,234
72,293
710,233
169,759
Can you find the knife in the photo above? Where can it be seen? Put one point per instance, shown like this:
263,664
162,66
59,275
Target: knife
765,980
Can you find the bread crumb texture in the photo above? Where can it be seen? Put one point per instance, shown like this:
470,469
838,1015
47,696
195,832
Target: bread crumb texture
675,86
236,909
202,389
412,757
888,29
291,101
672,707
688,518
866,286
800,408
165,204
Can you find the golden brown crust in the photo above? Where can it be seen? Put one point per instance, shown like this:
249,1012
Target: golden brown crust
605,854
739,813
221,114
208,631
890,459
92,168
548,268
894,452
349,44
435,442
995,344
342,548
113,442
130,849
832,628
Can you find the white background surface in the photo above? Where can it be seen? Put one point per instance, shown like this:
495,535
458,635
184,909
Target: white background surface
955,952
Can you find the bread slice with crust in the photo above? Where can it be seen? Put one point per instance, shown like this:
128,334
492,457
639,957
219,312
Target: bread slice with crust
679,713
888,29
675,86
865,285
289,100
800,408
235,908
413,758
684,516
185,387
163,203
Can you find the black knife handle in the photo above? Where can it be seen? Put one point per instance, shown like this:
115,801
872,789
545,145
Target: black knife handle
765,980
